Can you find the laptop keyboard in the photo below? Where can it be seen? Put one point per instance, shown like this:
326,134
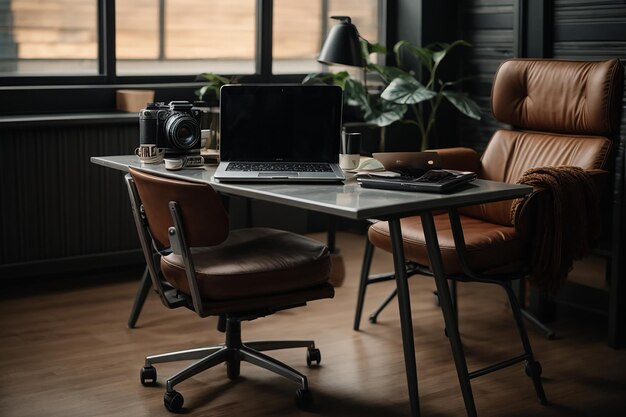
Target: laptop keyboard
279,166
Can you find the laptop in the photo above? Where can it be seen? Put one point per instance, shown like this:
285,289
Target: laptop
434,180
409,163
280,133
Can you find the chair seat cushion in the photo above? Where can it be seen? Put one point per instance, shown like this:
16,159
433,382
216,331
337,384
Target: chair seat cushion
253,262
491,248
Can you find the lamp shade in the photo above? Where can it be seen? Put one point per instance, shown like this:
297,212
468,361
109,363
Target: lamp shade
342,45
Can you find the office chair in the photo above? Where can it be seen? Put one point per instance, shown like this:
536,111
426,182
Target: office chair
561,113
195,261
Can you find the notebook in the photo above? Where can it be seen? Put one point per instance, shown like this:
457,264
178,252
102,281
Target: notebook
280,133
435,180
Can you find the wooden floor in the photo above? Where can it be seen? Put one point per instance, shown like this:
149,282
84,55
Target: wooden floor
68,352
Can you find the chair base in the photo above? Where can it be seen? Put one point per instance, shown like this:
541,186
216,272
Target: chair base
232,352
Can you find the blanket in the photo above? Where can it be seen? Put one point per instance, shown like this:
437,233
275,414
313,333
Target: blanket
565,224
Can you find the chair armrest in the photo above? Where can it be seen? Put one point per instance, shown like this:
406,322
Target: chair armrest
461,159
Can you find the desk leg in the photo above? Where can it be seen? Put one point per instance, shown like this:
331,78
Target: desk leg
406,321
449,315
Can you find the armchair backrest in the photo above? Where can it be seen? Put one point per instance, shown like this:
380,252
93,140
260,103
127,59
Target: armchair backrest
560,112
204,218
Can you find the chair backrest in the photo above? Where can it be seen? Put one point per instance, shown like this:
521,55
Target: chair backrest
204,219
560,112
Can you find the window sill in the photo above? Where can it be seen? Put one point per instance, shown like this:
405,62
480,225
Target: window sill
68,119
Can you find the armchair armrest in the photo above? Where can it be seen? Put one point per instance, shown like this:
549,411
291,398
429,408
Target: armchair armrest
524,216
461,159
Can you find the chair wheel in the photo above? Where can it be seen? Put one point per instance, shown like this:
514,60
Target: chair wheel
148,375
304,399
232,369
173,401
313,354
529,368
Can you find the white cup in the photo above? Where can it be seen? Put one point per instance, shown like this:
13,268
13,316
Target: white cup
349,161
350,152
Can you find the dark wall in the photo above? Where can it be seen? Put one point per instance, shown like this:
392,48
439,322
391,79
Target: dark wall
62,214
501,29
59,211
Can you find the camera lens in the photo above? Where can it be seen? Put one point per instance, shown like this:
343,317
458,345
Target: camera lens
183,131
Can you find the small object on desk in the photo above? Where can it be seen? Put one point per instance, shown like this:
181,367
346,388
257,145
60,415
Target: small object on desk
367,164
172,164
350,150
189,161
150,154
211,156
410,164
435,180
371,166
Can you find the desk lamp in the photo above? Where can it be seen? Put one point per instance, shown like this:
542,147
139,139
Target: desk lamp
342,45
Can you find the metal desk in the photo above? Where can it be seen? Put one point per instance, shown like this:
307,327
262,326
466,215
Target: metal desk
351,201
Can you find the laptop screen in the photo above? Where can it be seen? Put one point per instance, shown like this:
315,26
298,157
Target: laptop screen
267,123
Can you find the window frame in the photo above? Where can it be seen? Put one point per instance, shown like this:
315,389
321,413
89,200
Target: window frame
48,94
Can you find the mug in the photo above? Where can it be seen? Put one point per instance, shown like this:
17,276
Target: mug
350,152
149,153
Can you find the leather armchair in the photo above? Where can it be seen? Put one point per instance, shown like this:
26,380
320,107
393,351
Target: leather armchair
559,113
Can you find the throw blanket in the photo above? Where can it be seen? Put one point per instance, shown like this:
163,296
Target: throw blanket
565,223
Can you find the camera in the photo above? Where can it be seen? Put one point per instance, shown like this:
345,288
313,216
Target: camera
174,127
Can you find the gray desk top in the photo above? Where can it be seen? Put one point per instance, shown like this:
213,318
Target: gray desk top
345,200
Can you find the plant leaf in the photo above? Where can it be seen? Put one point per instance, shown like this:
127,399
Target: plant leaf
387,73
385,113
463,103
355,94
368,48
213,78
425,55
407,90
444,49
336,78
376,48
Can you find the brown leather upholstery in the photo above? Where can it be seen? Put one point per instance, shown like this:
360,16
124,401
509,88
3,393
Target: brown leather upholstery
485,242
235,270
200,202
253,263
563,113
573,97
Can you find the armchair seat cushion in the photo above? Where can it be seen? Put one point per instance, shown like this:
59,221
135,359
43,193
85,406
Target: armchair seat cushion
491,248
255,262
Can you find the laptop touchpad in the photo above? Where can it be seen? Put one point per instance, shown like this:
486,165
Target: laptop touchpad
285,174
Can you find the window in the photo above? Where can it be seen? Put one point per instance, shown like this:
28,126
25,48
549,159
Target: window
164,44
42,38
185,37
300,27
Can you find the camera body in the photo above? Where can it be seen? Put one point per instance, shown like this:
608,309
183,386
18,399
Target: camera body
174,127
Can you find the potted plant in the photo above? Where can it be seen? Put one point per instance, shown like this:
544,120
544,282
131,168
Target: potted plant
401,94
210,94
213,82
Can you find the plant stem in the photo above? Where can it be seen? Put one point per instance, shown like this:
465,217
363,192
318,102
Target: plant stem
433,114
420,124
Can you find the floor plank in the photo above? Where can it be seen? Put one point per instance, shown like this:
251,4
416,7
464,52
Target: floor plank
68,352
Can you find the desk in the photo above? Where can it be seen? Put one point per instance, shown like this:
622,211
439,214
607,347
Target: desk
351,201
